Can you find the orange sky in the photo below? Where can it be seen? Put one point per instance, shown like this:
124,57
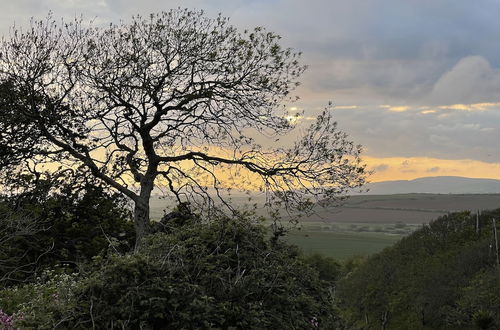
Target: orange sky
399,168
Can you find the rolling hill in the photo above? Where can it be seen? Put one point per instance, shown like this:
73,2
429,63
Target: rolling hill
436,185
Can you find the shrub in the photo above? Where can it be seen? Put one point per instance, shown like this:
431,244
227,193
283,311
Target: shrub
6,320
40,231
221,274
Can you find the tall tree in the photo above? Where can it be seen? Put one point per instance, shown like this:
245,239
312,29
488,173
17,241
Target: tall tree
173,98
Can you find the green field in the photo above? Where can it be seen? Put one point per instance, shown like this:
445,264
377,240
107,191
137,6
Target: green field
341,245
344,240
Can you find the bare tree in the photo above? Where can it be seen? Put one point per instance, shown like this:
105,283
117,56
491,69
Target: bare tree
172,99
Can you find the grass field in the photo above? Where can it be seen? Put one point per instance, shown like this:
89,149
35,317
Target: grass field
367,224
341,245
344,240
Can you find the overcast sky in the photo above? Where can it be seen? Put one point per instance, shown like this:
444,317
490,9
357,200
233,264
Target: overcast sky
416,82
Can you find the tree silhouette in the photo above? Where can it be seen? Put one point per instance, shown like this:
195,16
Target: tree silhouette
171,99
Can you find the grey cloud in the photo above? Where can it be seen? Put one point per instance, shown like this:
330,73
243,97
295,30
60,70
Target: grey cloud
364,52
381,168
395,80
456,135
394,49
433,169
471,80
102,11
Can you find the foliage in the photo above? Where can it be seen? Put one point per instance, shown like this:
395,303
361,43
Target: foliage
52,295
170,99
6,320
41,230
479,303
329,269
434,278
222,274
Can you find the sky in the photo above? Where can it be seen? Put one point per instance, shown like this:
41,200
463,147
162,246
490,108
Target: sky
416,82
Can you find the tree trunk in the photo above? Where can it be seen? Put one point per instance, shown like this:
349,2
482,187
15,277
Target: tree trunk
141,213
385,320
496,242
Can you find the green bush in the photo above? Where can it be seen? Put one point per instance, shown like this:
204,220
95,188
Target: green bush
329,269
479,303
222,274
40,231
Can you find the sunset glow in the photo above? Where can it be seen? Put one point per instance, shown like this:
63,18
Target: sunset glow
398,168
420,94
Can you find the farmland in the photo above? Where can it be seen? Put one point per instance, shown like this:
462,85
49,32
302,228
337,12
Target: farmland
366,224
341,245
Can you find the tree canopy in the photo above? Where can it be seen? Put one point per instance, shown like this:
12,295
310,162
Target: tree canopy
172,99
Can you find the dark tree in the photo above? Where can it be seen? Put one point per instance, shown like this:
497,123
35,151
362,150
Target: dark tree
39,230
171,100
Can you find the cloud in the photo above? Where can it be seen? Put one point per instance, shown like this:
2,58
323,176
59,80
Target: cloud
391,50
471,80
431,63
399,108
380,168
472,107
433,132
362,49
347,106
350,81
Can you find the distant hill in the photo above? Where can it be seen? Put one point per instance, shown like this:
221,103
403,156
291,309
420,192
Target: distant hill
436,185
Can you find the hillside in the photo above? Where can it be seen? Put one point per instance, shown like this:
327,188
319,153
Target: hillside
436,185
442,276
407,208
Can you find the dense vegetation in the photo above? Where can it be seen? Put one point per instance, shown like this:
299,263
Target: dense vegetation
443,276
192,273
67,260
39,230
